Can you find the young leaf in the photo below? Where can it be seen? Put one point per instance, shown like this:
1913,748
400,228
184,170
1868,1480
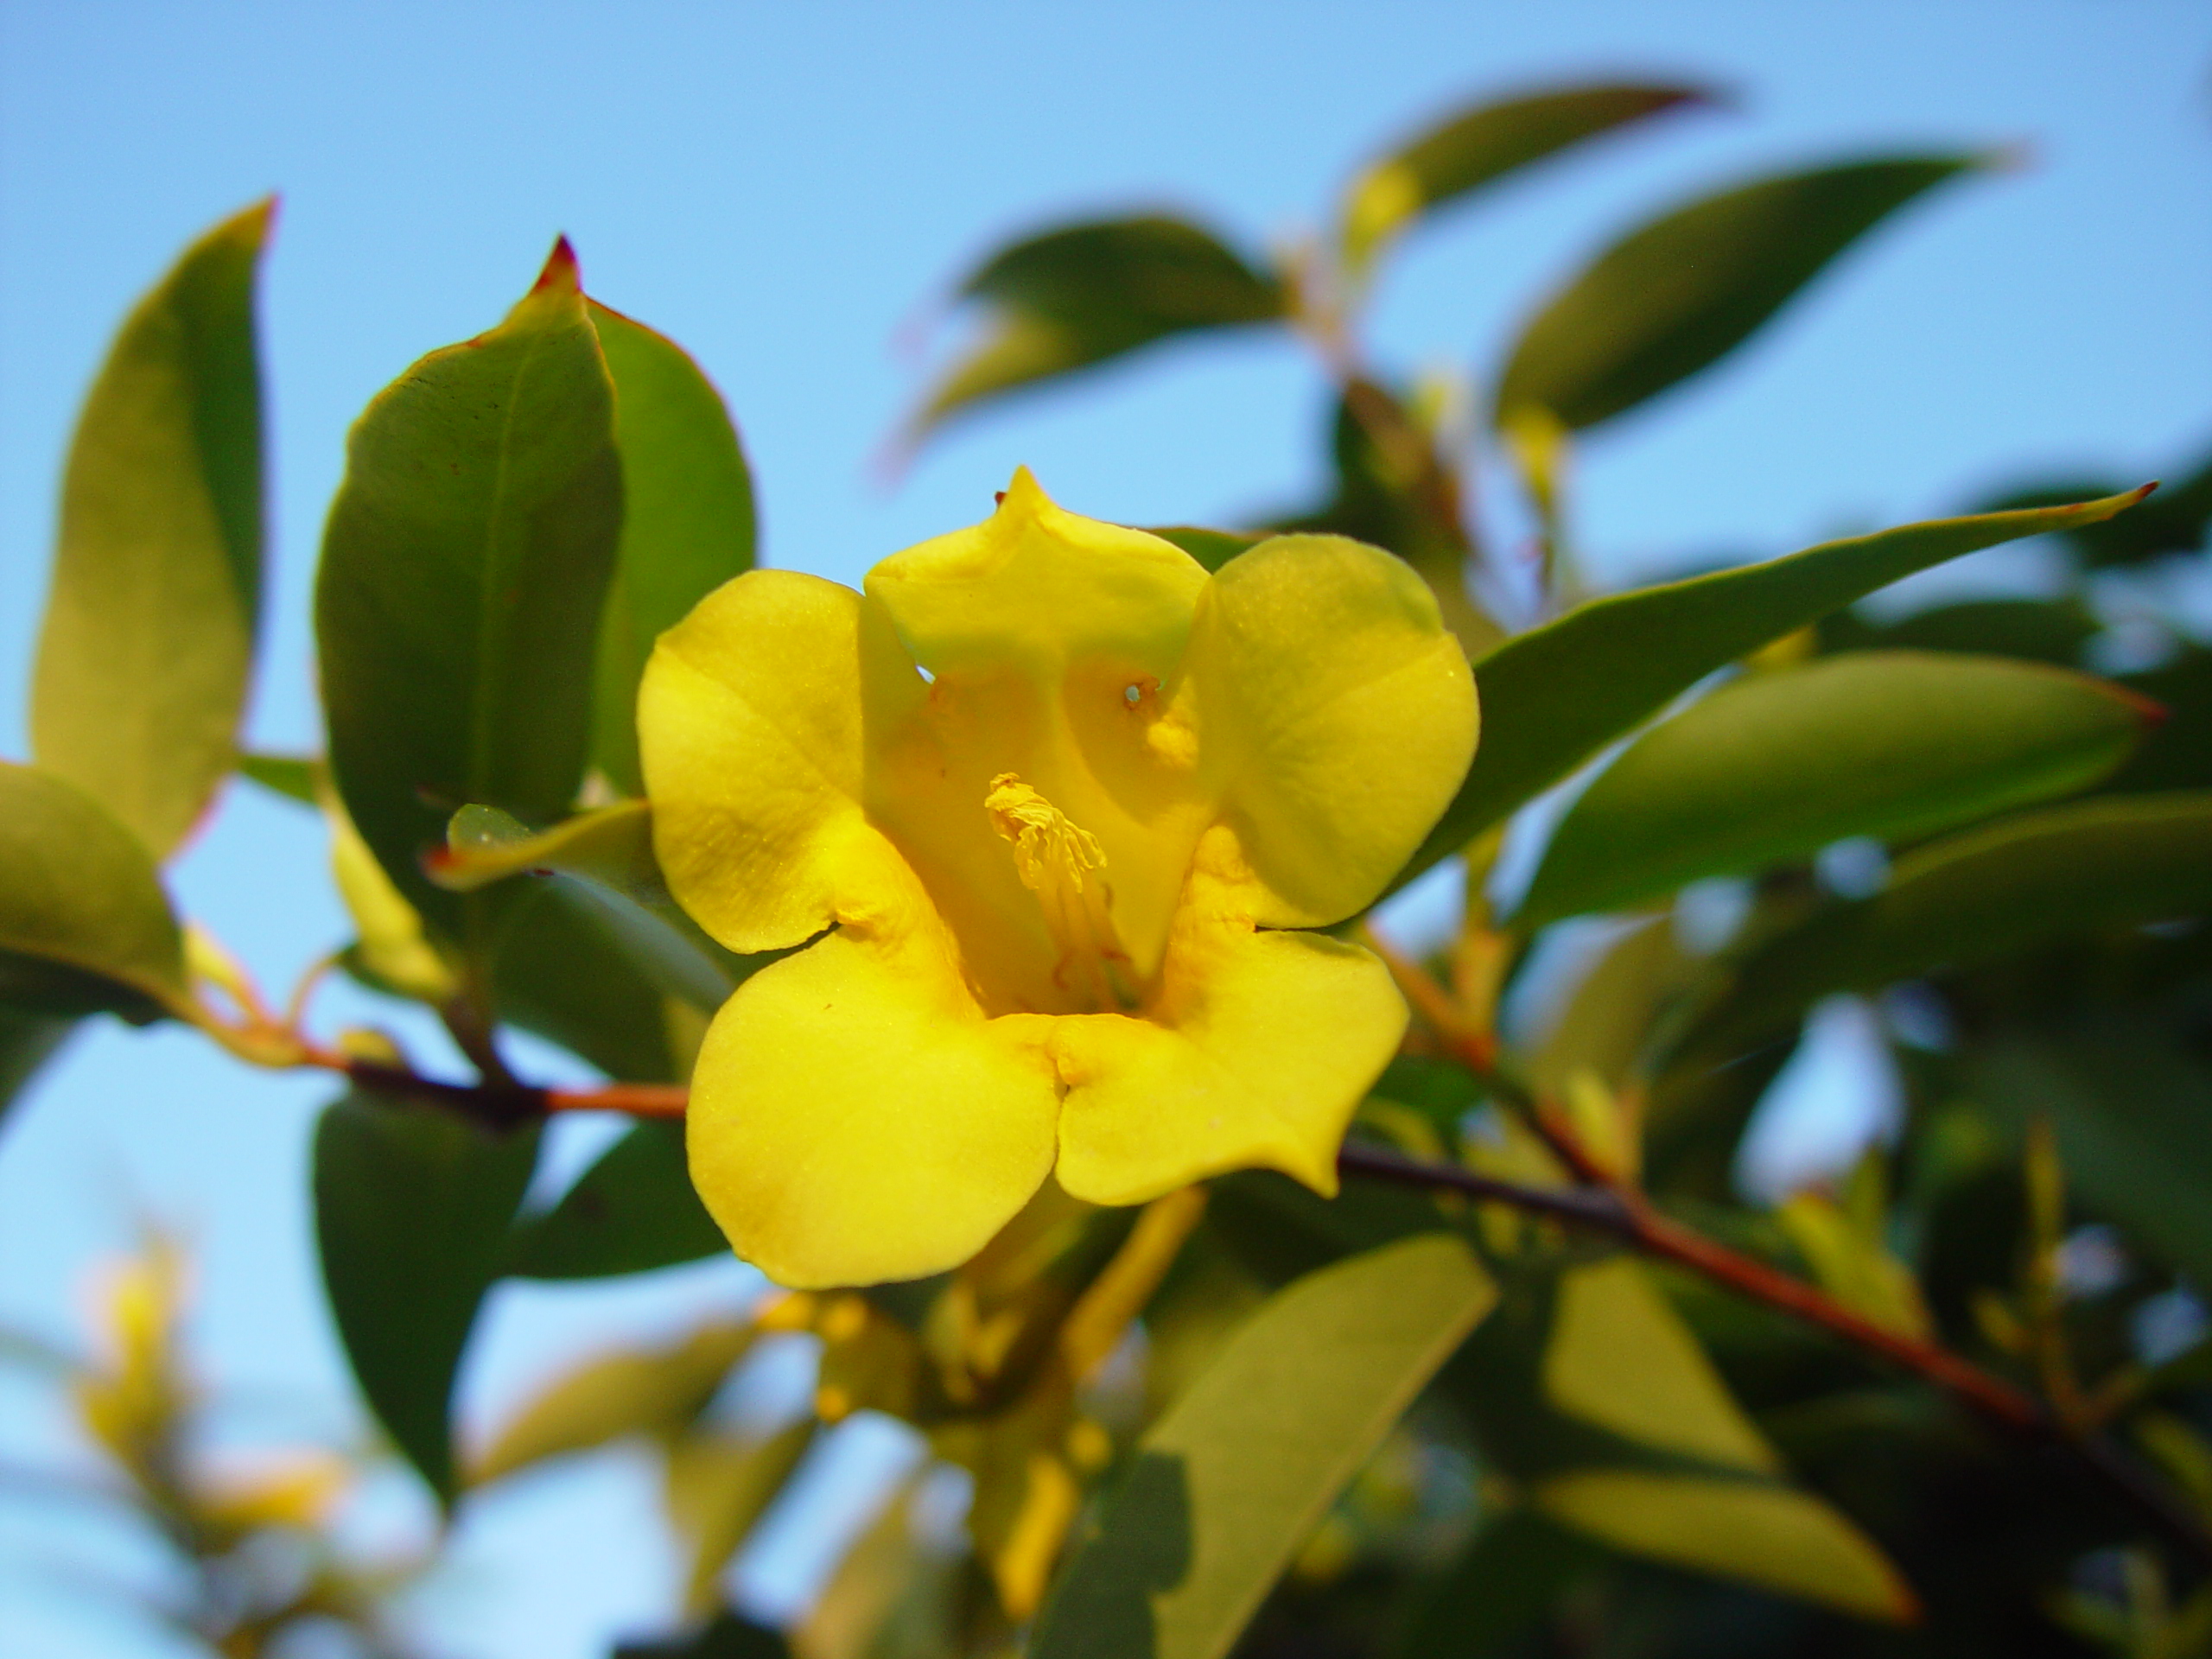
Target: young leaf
633,1211
148,643
412,1205
1226,1486
1480,144
457,608
2109,861
1085,293
1553,697
1764,1535
84,923
1680,293
686,519
1894,744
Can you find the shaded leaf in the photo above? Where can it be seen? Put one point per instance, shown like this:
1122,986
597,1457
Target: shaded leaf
84,923
631,1211
686,519
559,971
1684,290
1226,1486
1482,143
147,643
1553,697
1085,293
2179,755
1768,1535
2109,861
412,1205
727,1635
1511,1573
1890,744
27,1042
2040,630
457,608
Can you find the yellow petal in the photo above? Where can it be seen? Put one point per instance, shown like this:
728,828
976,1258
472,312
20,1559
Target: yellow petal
751,723
1256,1054
854,1116
1341,713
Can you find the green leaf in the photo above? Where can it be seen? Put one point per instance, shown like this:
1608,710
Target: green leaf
27,1042
560,970
1764,1535
1553,697
148,645
1509,1577
466,554
412,1205
1211,548
2173,521
1687,288
1892,744
1085,293
686,519
656,1391
296,777
726,1635
2108,861
718,1486
2040,630
84,923
1480,144
1227,1484
633,1211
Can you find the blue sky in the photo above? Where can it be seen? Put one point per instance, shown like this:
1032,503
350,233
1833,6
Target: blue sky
785,190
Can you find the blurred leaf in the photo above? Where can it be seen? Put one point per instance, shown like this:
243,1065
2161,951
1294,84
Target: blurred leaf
2179,755
2133,1110
27,1042
686,519
2173,521
148,645
1481,143
296,777
466,554
1768,1535
412,1205
2040,630
727,1635
1852,1261
656,1391
1556,695
633,1211
1608,1015
1226,1486
392,953
84,926
877,1575
1211,548
1620,1357
1511,1573
1085,293
1687,288
1892,744
719,1487
2108,861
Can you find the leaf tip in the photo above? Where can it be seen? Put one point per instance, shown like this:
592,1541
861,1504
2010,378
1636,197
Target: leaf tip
561,274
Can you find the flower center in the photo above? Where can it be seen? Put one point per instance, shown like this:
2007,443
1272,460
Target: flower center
1064,865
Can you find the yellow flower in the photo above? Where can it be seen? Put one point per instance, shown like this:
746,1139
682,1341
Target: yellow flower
1055,801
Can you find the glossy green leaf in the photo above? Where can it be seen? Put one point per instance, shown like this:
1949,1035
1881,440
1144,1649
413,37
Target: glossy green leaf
466,554
1556,695
1892,744
412,1205
1226,1486
1684,290
148,645
1085,293
1478,145
84,923
1772,1536
656,1391
633,1211
686,519
2108,861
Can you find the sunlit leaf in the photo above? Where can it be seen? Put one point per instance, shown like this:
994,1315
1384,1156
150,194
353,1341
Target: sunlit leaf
718,1486
1684,290
466,556
1475,146
1553,697
1225,1486
686,519
84,923
1085,293
147,643
631,1211
1889,744
412,1205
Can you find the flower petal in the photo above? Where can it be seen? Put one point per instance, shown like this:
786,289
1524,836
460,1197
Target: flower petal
751,719
1341,711
854,1116
1257,1052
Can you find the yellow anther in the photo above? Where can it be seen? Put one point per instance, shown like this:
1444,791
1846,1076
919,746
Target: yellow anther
1048,846
1064,865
